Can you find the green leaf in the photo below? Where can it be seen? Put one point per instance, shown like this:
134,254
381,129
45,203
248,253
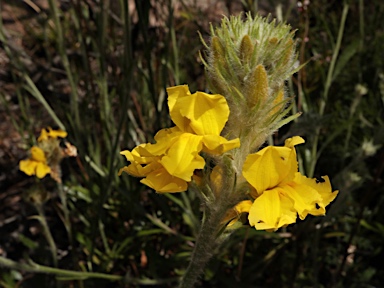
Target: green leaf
346,55
28,242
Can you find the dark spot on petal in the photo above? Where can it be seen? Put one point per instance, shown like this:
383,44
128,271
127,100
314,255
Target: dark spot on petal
317,206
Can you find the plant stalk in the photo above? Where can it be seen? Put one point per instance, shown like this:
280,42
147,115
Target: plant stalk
206,243
67,221
36,268
47,233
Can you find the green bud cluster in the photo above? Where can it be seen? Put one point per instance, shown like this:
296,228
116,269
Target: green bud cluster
248,62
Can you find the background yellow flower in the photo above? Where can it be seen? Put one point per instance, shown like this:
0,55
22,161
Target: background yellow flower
50,133
36,165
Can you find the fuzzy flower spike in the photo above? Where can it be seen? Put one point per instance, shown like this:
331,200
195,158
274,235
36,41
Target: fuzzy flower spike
248,61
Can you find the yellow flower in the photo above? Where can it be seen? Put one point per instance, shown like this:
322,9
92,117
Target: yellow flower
201,114
36,165
280,191
169,164
50,133
233,215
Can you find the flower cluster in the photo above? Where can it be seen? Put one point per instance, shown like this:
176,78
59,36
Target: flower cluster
279,191
47,154
169,164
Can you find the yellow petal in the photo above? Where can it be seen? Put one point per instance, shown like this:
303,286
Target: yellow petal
304,197
295,140
199,113
244,206
208,113
270,167
174,95
288,213
147,153
57,133
176,92
183,156
161,181
130,155
32,167
164,140
230,218
42,170
217,145
177,152
137,170
43,135
167,133
324,189
271,211
233,215
28,166
38,154
141,155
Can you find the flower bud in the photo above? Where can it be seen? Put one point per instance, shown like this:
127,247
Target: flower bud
258,86
246,49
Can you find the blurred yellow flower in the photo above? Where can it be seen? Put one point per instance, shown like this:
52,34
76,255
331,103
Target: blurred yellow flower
169,164
280,192
36,165
50,133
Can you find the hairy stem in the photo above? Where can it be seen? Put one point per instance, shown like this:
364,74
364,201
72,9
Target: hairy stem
203,251
208,240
